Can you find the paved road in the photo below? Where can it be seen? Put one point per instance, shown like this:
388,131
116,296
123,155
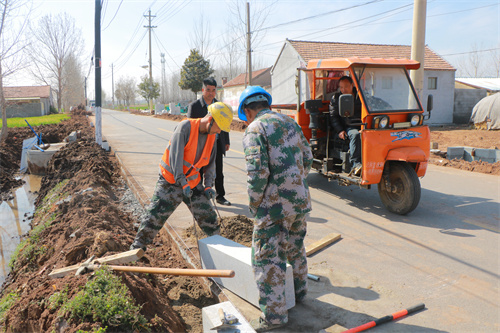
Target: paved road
444,254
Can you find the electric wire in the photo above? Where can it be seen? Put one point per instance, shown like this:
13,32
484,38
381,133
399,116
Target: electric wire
114,15
316,16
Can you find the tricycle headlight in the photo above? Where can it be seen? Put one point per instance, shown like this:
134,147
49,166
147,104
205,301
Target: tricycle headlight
415,119
381,122
384,122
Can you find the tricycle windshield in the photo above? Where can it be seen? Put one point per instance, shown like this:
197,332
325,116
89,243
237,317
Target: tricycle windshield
386,89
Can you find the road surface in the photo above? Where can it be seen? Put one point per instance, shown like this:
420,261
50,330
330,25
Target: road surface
444,254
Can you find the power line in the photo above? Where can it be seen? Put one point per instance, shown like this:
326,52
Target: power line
316,16
114,15
476,51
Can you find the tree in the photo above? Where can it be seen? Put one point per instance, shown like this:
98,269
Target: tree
194,70
72,81
259,13
56,40
479,62
232,57
12,44
125,90
148,89
200,39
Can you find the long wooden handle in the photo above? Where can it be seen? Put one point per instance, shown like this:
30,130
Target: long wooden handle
175,271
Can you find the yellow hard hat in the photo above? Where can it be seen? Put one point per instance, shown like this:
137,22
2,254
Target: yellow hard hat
222,114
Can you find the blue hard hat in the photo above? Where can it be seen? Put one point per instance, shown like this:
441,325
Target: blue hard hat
252,94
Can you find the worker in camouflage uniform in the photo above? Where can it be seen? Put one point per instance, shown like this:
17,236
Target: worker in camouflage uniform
191,148
278,159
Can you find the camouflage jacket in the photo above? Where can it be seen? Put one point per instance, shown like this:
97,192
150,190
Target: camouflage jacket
278,160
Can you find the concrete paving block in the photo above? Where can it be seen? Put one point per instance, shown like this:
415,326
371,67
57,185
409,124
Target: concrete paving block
486,155
210,318
455,153
218,252
469,154
72,137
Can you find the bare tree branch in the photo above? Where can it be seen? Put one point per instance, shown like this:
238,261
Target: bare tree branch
56,40
14,15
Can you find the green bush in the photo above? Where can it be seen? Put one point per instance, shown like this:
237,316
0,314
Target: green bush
105,299
6,303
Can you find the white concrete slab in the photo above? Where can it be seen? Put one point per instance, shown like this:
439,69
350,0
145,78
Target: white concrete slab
218,252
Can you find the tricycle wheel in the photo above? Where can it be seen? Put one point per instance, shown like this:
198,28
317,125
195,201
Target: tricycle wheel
401,193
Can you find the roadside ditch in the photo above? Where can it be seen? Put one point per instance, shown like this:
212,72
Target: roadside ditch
83,208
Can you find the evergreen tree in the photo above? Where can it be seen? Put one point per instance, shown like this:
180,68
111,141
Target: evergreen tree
147,89
194,70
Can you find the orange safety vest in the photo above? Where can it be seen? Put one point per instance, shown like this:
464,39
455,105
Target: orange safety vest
192,171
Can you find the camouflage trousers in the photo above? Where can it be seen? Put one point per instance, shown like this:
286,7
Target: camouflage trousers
166,198
272,247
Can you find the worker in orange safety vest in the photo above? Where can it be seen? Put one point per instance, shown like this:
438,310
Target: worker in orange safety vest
191,147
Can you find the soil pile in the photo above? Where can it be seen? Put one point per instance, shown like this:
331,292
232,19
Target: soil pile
464,136
237,228
83,209
10,150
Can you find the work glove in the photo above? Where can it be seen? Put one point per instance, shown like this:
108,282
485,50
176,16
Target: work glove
186,191
209,193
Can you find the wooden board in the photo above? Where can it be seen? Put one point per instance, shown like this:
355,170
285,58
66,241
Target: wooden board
116,259
324,242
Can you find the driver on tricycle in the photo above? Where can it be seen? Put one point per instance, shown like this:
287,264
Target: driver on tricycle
348,127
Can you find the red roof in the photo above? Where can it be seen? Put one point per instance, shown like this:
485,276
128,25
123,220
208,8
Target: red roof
261,77
323,50
27,92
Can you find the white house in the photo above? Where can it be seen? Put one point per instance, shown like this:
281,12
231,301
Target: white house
439,75
232,90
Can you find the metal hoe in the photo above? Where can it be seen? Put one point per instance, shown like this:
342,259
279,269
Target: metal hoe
227,321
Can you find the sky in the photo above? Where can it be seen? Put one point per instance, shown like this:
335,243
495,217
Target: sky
453,29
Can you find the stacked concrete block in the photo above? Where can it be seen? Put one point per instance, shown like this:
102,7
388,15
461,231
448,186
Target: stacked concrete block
487,155
210,318
470,154
221,253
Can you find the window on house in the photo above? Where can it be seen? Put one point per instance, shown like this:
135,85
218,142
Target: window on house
432,83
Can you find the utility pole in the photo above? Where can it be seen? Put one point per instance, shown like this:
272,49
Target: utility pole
98,132
418,44
163,88
150,60
113,85
249,48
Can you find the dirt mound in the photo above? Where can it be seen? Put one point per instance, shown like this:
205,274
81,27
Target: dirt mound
464,136
10,150
83,209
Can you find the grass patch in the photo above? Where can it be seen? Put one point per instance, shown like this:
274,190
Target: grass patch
29,250
107,300
36,121
6,303
51,198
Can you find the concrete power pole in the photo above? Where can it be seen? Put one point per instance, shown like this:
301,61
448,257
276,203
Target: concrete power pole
98,92
249,48
150,60
418,44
